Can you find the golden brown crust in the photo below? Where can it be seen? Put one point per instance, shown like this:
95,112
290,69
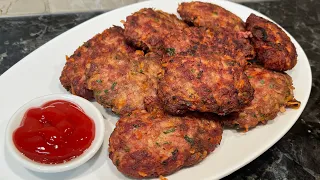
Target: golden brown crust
226,35
274,48
124,83
202,41
272,92
147,28
145,145
165,34
73,76
112,72
203,83
210,15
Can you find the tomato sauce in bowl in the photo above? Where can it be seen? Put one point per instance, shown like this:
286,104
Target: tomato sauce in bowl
56,132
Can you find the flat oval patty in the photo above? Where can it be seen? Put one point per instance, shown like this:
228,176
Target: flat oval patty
203,41
203,83
124,82
147,28
273,91
145,145
73,76
273,46
210,15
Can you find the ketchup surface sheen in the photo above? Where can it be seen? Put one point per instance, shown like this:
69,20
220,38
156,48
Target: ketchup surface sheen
56,132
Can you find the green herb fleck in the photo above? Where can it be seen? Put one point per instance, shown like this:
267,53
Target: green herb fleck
164,163
136,125
192,70
215,13
199,74
204,101
249,77
188,139
157,144
129,114
262,81
113,85
188,104
99,81
231,63
117,162
166,143
169,131
171,51
86,44
97,92
208,90
271,86
174,152
263,116
106,91
141,71
126,149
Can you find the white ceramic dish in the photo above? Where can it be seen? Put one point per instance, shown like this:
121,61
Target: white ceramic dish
87,107
38,74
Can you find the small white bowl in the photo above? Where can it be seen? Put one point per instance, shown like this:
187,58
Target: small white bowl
88,108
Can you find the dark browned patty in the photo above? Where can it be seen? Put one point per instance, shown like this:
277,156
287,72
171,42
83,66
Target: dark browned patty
199,41
164,33
274,48
273,91
124,82
147,28
145,145
203,83
73,76
210,15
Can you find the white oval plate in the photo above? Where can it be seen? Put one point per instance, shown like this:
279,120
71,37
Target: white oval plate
38,74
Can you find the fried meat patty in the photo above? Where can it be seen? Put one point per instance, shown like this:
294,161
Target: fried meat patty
210,15
147,28
199,41
203,83
273,91
227,33
145,145
73,76
164,33
124,84
274,48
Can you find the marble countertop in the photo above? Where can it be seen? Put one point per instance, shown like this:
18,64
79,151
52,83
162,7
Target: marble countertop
295,156
33,7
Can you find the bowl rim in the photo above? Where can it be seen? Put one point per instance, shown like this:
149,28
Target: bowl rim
85,105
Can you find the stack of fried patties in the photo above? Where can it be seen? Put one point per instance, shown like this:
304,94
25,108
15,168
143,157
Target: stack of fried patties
174,82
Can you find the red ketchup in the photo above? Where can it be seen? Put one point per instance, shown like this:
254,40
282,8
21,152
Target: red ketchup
56,132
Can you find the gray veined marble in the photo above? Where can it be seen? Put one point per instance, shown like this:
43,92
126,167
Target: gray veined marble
295,156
